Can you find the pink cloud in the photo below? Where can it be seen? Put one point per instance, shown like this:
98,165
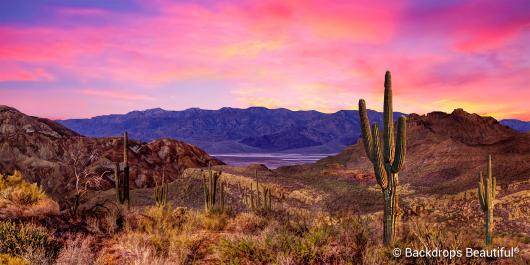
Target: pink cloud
298,54
71,11
17,74
121,95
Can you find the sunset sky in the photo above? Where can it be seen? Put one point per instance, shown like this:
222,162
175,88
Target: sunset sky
75,59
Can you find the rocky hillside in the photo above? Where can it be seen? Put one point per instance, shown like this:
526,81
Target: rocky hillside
50,154
232,130
445,154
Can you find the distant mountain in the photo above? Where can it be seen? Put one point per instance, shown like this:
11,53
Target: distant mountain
518,125
45,151
233,130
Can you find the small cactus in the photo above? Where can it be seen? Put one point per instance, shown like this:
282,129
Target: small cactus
222,196
210,190
262,199
486,197
121,175
267,205
252,204
161,192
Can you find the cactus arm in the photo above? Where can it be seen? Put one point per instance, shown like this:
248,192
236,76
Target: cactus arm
117,181
487,194
493,179
493,191
365,129
222,196
379,164
401,145
388,114
126,184
205,185
251,196
481,197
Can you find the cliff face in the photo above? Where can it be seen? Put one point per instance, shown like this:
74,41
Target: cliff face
445,153
48,153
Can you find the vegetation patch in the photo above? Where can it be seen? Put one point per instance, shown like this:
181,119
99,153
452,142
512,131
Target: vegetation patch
16,189
17,239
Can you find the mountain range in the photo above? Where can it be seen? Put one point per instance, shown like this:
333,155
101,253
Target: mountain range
518,125
233,130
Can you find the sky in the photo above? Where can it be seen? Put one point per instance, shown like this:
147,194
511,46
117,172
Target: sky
76,59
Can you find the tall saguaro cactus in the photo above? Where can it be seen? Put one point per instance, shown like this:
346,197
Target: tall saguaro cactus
121,177
486,196
387,156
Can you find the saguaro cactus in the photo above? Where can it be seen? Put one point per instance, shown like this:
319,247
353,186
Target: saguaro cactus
267,205
210,189
161,191
252,201
222,196
262,198
486,196
121,177
387,156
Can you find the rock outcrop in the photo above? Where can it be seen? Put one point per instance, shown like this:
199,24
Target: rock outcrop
50,154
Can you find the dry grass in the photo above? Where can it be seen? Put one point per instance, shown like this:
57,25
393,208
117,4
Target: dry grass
6,259
247,223
301,240
296,234
163,236
77,251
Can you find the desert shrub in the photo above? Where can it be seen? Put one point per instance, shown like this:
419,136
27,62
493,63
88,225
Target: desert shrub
162,235
420,234
244,250
188,247
246,223
17,239
16,189
301,240
154,229
11,260
158,220
77,251
213,221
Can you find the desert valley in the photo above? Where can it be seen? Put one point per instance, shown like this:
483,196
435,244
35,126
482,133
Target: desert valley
257,132
74,199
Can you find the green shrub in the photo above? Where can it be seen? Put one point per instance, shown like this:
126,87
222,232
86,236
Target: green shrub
15,239
16,189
